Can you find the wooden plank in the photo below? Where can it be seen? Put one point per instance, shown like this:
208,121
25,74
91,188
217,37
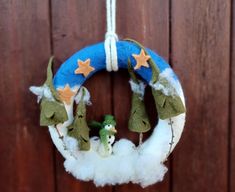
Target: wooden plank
232,105
26,161
79,23
148,22
200,55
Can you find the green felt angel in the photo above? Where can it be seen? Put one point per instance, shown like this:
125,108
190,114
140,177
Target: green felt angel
106,134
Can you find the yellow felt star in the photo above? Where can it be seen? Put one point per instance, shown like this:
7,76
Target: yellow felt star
84,67
65,94
141,59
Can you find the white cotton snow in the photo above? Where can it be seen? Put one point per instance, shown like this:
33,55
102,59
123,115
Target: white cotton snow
166,75
42,91
71,144
138,87
142,165
86,97
126,164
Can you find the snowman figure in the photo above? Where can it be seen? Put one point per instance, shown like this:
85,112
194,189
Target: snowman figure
106,134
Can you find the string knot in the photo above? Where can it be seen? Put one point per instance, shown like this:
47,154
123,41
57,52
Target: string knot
111,34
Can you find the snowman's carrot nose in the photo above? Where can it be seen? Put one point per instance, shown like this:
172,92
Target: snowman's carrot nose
114,130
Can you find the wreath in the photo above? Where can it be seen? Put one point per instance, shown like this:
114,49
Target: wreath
100,158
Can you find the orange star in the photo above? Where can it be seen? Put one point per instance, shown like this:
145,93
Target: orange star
84,67
65,94
141,59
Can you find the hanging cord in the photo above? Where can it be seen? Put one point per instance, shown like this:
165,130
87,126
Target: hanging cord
111,37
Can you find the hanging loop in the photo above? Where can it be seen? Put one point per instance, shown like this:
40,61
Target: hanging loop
111,37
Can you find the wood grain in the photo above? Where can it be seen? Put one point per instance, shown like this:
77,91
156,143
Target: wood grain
147,22
26,161
73,27
200,55
232,105
194,35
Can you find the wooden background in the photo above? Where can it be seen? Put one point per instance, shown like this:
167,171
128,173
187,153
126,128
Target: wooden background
195,36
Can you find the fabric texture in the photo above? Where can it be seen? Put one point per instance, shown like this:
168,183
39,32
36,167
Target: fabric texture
79,128
49,80
167,105
138,120
125,162
52,113
65,74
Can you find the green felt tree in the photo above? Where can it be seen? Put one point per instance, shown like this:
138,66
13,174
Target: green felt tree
52,112
167,105
79,128
49,80
138,121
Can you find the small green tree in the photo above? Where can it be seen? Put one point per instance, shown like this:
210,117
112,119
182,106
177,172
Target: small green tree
79,128
138,121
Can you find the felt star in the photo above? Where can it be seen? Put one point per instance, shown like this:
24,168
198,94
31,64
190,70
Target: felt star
84,67
141,59
65,94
